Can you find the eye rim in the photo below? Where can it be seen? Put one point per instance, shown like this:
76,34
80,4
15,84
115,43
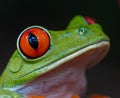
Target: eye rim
18,43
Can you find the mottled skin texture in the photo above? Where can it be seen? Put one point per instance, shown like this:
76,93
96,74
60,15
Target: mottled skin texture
60,73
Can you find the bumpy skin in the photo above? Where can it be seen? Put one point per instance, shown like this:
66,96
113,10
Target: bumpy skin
77,35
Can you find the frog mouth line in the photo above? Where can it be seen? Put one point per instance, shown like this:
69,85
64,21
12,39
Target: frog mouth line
72,67
83,50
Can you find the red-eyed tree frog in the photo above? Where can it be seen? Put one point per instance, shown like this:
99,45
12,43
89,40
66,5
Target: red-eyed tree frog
52,64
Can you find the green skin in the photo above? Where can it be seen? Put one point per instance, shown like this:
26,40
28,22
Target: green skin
77,36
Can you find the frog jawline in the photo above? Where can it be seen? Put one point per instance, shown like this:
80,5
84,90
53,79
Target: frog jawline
104,44
91,52
56,64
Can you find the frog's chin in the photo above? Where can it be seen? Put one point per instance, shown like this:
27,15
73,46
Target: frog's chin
62,82
69,78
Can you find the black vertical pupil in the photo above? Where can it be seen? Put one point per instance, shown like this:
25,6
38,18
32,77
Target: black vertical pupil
33,41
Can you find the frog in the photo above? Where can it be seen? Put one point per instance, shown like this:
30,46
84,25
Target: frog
52,63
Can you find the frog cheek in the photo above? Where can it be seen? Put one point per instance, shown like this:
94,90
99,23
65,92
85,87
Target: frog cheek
15,64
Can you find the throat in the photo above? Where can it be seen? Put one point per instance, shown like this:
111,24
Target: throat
62,82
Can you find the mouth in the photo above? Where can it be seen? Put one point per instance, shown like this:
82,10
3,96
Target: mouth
101,49
67,76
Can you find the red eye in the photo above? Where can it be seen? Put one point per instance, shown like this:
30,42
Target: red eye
90,20
34,42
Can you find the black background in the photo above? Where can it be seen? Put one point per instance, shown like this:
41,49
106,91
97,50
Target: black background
53,14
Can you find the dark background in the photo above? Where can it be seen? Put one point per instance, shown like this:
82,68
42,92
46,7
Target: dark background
15,15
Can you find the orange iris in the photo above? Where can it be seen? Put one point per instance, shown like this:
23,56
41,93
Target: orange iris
34,42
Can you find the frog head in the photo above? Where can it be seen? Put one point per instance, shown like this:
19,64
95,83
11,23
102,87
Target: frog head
39,51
